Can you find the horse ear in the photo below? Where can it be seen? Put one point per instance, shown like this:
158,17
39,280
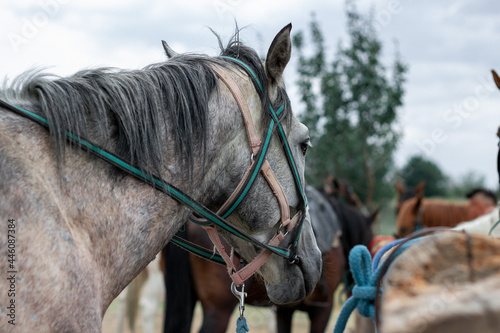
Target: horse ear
337,184
400,188
374,216
170,53
420,188
418,203
496,78
279,54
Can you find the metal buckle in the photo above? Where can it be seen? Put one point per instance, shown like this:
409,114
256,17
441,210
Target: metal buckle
239,295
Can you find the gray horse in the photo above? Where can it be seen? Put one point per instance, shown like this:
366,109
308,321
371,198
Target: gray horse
78,230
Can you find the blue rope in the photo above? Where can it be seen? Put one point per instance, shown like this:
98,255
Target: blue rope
383,250
241,325
365,274
364,291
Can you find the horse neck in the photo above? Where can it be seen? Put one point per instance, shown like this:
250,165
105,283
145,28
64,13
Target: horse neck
115,224
143,219
121,223
439,213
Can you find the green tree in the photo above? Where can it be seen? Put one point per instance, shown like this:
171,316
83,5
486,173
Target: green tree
351,107
419,169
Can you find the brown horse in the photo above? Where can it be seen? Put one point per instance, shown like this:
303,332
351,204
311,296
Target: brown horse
208,282
406,193
417,213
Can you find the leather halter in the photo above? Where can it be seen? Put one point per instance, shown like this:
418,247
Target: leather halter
228,207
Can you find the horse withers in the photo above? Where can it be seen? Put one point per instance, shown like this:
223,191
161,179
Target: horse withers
79,229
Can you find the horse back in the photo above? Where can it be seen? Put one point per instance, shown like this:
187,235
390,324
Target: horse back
444,213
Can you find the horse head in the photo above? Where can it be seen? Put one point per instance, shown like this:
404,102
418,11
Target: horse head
259,214
262,212
409,217
341,190
405,193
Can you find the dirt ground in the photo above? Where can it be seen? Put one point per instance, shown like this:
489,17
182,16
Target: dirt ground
259,320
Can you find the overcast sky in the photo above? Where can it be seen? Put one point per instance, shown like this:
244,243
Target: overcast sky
452,108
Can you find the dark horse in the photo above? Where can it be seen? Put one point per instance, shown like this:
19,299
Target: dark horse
79,229
189,278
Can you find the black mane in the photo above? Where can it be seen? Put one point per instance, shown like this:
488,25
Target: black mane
128,111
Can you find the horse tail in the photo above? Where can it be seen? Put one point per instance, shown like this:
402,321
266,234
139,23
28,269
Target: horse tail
180,294
132,298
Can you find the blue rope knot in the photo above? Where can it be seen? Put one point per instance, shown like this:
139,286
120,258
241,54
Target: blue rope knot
365,274
365,297
365,289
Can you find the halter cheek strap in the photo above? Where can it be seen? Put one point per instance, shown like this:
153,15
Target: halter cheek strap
239,276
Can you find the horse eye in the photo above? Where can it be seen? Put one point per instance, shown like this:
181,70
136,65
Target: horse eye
304,145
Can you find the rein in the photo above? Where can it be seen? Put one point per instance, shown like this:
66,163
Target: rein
210,219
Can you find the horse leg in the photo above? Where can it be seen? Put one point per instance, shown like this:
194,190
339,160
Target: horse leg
216,319
319,316
121,310
213,288
284,318
333,269
133,295
151,296
180,295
